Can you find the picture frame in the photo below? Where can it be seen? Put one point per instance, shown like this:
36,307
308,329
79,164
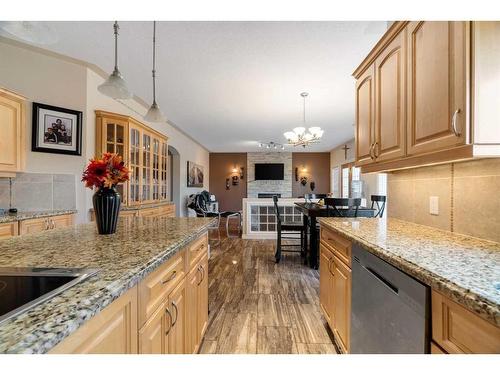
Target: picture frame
195,174
56,130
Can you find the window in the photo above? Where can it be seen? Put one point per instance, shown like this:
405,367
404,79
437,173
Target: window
336,181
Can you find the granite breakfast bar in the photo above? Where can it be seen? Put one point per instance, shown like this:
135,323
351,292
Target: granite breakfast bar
463,273
139,250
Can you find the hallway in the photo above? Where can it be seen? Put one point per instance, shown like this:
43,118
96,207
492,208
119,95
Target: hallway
259,307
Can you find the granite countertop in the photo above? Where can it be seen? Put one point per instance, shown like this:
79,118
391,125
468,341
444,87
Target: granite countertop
465,269
137,248
25,215
142,206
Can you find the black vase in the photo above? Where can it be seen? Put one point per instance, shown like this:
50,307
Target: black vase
106,208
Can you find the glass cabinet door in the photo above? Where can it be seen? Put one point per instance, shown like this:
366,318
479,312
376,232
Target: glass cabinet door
134,165
115,143
156,169
146,167
163,171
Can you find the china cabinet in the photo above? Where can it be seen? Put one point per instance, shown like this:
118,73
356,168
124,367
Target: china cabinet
144,151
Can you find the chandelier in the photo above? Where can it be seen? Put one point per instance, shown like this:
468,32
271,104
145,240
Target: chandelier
299,136
271,145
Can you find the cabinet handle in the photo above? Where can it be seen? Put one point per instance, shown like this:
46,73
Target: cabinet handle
167,311
170,278
201,273
176,313
371,151
47,226
53,224
375,148
454,123
330,261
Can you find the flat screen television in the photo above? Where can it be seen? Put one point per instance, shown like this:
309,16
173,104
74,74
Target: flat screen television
271,171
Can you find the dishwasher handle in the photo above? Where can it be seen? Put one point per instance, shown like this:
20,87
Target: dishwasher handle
382,279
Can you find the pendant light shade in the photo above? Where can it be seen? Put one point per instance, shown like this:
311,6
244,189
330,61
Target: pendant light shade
154,113
115,86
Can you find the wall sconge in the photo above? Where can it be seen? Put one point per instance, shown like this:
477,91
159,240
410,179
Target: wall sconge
296,174
227,183
242,172
313,185
236,180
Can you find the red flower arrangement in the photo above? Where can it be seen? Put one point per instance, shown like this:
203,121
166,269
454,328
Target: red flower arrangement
106,172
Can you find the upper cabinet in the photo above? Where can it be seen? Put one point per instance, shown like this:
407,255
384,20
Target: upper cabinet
145,152
424,95
12,128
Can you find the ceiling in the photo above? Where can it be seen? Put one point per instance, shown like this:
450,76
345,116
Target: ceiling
229,85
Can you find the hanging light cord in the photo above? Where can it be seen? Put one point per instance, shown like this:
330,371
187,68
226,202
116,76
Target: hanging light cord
304,110
116,28
154,62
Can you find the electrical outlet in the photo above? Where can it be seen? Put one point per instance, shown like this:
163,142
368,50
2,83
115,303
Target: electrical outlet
434,205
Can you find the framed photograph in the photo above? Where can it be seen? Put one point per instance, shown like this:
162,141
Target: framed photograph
56,130
194,175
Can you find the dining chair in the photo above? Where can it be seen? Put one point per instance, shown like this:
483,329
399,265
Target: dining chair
288,228
334,205
309,197
379,201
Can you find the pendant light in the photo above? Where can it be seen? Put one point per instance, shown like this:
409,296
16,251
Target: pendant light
154,113
115,86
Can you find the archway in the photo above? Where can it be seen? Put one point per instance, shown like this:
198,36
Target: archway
174,160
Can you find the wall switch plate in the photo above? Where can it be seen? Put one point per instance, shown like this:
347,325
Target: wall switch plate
434,205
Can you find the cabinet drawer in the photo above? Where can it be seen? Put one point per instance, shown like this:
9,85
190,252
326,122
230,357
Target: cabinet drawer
457,330
166,211
61,221
340,245
34,225
196,250
8,230
156,286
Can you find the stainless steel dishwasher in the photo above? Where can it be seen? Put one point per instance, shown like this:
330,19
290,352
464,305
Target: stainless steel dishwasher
390,309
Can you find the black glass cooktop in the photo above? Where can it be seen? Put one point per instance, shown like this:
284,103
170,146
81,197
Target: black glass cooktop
23,288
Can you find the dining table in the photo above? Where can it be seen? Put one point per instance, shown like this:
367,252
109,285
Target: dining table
311,211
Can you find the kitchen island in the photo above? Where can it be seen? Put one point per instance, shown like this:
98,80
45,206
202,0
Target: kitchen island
463,273
138,256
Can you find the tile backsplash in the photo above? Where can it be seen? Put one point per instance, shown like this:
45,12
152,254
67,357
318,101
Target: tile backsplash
39,192
469,200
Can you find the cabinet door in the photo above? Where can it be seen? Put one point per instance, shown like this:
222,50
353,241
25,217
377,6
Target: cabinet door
34,225
390,103
326,288
115,141
135,165
164,165
8,230
365,116
153,336
177,336
12,130
203,299
436,86
155,168
192,339
112,331
342,305
61,221
146,167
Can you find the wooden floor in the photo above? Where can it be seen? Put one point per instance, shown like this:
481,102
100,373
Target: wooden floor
257,306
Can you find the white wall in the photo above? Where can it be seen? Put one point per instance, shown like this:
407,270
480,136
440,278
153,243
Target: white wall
46,78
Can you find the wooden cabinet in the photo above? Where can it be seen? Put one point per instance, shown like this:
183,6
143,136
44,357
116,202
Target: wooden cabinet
458,330
365,116
342,302
326,286
436,86
145,152
424,95
335,285
12,128
166,313
390,103
113,331
8,230
37,225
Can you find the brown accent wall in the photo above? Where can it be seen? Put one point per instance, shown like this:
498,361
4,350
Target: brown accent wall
221,165
317,169
467,191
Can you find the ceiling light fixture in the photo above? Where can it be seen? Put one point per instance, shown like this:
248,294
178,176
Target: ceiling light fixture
271,145
154,113
115,86
299,136
31,31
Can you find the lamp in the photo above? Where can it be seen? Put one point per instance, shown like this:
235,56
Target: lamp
154,113
115,86
299,136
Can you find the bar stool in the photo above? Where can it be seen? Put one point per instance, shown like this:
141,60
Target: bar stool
379,200
289,229
336,203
